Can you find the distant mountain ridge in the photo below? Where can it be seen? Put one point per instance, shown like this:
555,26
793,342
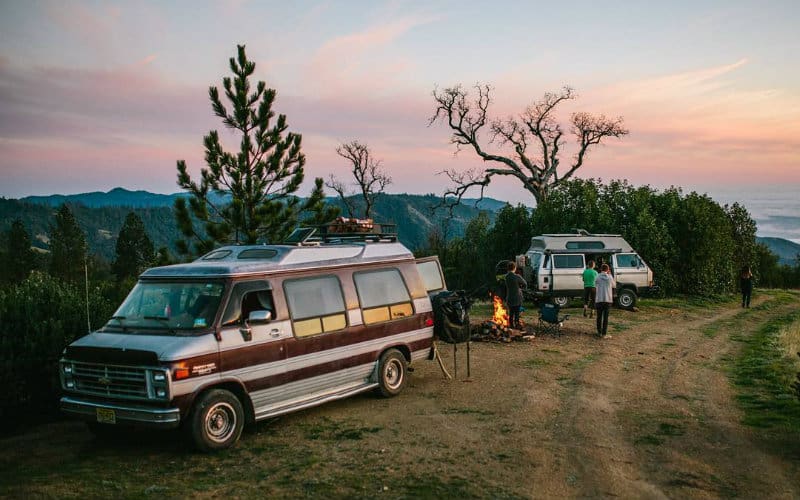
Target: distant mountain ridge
117,197
101,215
787,251
121,197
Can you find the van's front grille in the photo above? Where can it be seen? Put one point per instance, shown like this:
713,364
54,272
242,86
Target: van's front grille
114,381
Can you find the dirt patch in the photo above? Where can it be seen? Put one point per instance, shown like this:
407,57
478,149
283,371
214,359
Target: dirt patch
649,413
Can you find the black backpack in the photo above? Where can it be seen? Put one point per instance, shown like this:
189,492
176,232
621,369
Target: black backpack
451,316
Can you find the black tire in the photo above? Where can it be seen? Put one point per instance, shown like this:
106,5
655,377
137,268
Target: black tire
392,373
216,421
561,301
626,298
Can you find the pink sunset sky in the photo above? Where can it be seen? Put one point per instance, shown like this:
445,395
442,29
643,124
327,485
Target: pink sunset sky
95,95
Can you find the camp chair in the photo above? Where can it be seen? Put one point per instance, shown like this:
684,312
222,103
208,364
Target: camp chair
550,321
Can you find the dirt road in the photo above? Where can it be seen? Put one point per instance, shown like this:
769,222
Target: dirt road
650,413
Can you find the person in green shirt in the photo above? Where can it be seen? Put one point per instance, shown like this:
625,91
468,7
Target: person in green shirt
589,277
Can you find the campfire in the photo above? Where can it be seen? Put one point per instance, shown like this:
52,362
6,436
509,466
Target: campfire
500,316
498,328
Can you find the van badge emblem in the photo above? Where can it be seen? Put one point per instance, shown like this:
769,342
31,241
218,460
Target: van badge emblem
104,380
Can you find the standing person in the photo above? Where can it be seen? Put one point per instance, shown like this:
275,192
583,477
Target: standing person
604,285
589,277
514,285
746,283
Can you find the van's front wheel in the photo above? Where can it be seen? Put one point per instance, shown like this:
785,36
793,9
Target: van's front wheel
217,420
561,301
626,299
392,373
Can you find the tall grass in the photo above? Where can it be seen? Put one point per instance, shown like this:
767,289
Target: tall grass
763,375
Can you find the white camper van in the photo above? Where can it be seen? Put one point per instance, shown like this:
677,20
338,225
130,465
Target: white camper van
554,265
246,333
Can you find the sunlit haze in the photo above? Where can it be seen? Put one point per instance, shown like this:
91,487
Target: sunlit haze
95,95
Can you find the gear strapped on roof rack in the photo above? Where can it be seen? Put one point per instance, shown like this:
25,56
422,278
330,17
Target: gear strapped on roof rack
343,230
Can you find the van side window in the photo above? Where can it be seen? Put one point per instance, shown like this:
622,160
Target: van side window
585,245
383,295
431,275
316,305
568,261
627,260
246,297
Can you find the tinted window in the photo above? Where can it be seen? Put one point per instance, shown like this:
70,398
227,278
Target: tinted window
257,253
316,305
568,261
377,288
217,255
591,245
383,295
430,275
627,260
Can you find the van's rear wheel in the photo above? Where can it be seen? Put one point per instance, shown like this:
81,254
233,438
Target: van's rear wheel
217,420
561,301
626,298
392,373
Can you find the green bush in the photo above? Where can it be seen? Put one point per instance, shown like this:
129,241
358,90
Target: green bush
38,318
694,245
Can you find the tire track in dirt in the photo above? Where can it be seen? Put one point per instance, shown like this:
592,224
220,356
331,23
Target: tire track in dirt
664,384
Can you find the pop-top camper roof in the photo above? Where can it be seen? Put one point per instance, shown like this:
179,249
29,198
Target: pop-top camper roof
581,242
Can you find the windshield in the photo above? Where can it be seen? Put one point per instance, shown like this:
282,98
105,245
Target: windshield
175,308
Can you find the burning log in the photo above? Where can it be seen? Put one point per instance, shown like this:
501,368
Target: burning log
500,316
498,328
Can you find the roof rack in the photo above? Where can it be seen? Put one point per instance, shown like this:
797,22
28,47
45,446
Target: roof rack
343,230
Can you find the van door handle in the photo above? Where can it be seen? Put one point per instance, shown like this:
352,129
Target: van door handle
275,332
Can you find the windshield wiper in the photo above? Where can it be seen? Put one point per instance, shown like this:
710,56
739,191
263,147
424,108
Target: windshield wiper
121,320
164,319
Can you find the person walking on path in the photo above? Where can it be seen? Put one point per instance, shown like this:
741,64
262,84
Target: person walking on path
589,277
604,296
514,285
746,284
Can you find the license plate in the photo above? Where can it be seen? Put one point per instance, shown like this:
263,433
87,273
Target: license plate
106,416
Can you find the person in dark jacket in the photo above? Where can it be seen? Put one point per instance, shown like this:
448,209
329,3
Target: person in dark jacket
514,285
746,284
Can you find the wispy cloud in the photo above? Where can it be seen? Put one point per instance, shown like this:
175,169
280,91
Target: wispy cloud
358,59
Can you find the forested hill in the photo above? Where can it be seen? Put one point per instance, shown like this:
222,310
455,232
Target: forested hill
787,251
101,215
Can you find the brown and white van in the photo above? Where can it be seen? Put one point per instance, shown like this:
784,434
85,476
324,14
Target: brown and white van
246,333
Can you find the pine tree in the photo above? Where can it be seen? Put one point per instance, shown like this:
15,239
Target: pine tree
134,249
67,247
19,258
248,196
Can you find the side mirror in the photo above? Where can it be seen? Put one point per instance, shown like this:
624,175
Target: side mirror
259,317
255,318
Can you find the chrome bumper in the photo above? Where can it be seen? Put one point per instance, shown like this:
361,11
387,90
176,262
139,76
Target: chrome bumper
134,415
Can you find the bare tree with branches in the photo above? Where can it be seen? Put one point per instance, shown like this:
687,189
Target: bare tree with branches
535,136
370,179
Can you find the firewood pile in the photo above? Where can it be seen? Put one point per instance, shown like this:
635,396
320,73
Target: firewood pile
490,331
497,329
350,225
